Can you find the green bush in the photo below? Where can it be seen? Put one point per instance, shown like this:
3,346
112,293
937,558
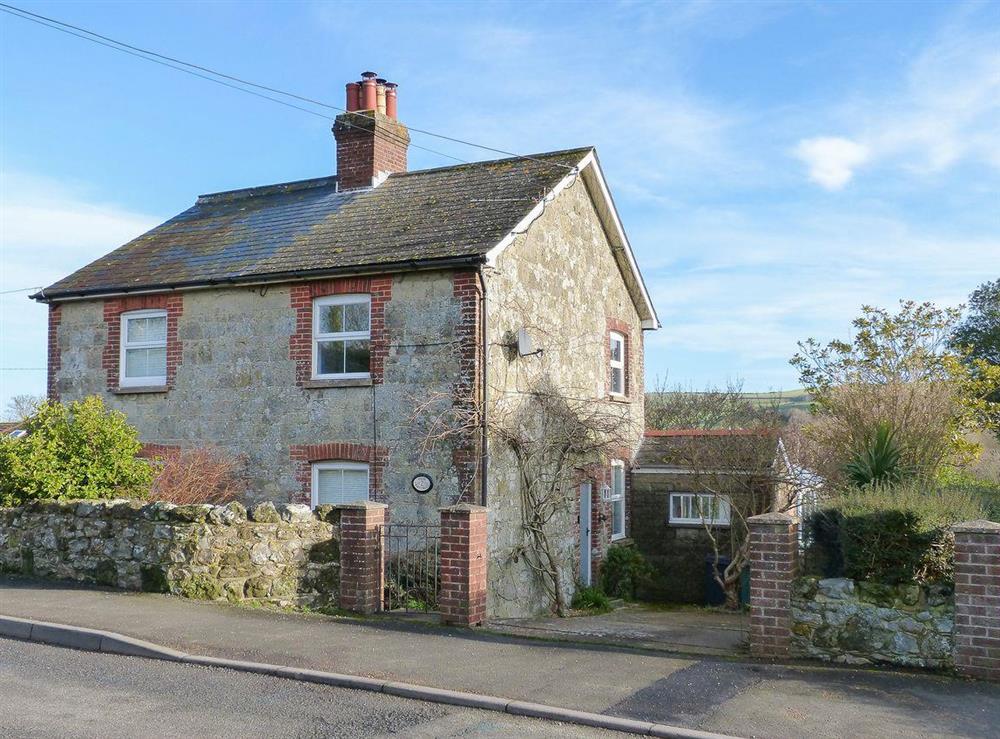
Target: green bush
83,450
591,599
986,490
891,533
623,571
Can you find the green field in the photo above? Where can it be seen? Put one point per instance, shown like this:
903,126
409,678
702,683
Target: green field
786,400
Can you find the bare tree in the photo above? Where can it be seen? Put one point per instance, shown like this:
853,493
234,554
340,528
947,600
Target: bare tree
683,407
745,472
21,407
728,443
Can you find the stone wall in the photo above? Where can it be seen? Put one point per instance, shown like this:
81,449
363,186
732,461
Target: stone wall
861,623
284,554
560,281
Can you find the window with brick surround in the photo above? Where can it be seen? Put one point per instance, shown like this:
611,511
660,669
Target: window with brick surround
617,499
617,360
342,337
699,508
339,482
143,360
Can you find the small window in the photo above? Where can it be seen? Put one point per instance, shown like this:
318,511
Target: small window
339,482
617,500
699,508
342,336
617,364
143,348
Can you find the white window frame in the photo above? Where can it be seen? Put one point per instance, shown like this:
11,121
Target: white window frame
725,511
318,338
616,497
618,364
125,344
352,466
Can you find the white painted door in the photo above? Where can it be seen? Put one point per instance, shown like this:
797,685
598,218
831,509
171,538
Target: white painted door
585,493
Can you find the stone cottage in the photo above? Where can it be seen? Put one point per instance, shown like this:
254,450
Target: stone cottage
304,326
692,487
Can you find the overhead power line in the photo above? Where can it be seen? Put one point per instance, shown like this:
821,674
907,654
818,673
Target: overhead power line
20,290
140,54
197,70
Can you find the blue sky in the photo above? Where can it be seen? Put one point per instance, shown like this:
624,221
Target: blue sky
776,165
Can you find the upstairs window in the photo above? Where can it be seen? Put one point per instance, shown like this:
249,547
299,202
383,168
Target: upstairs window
699,508
339,482
617,355
617,500
143,348
342,337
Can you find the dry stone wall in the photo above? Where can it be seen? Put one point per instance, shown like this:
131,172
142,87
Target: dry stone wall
859,623
286,554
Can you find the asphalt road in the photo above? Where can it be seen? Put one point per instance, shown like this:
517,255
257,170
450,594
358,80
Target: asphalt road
54,692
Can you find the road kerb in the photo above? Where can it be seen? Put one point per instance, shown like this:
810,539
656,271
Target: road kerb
92,640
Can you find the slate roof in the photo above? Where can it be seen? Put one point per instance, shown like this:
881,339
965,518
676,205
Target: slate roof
745,449
445,214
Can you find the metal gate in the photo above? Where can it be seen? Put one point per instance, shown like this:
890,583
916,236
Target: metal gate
412,555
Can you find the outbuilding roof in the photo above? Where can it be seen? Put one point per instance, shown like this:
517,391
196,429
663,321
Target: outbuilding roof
736,449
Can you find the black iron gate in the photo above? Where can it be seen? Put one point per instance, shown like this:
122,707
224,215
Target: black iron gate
412,555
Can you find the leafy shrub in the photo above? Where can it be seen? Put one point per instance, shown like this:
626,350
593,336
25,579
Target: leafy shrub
591,599
983,488
891,533
197,475
83,450
623,571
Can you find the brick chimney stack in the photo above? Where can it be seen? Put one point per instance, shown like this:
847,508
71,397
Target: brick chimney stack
370,141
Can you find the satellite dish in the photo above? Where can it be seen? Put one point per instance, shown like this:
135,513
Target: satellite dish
525,345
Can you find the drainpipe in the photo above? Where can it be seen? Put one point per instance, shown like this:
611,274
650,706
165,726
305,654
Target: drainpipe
484,464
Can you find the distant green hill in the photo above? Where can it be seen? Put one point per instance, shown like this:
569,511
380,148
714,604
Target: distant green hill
786,400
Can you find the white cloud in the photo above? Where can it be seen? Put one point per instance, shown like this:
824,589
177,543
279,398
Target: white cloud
942,111
47,230
831,159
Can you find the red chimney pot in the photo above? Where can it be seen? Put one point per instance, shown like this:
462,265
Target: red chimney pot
390,100
369,93
353,96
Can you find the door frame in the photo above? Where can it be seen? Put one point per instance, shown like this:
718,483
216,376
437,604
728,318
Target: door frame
586,521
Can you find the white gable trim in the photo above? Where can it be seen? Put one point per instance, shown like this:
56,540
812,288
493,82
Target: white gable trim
590,169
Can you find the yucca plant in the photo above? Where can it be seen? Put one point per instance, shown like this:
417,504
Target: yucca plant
877,461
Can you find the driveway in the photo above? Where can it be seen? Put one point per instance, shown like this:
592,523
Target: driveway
689,630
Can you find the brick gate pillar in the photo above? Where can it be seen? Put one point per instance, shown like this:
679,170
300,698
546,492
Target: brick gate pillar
977,599
774,549
462,599
362,574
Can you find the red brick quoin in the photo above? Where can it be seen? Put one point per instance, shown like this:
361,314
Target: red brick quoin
302,296
303,455
55,358
173,303
977,599
463,565
467,290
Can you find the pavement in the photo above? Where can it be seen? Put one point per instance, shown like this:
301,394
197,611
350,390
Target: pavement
740,698
53,692
686,630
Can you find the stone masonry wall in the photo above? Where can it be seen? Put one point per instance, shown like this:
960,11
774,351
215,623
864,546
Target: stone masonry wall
238,386
858,623
286,554
559,280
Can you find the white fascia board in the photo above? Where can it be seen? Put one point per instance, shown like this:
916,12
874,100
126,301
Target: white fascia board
533,214
609,217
